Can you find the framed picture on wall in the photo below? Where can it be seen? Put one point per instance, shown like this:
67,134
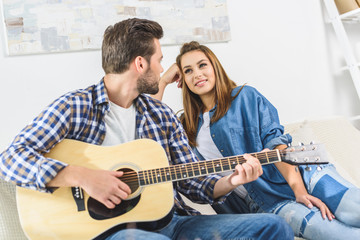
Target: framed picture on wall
49,26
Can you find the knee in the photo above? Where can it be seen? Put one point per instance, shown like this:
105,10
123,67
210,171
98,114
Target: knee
349,218
348,210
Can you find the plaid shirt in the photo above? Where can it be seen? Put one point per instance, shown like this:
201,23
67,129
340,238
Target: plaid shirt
80,115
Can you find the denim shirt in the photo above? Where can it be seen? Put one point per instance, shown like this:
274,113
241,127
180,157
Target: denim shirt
250,125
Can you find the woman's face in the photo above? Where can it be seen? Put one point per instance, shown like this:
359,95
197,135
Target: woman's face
198,73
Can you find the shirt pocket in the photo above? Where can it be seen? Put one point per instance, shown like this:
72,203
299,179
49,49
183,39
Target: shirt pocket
245,140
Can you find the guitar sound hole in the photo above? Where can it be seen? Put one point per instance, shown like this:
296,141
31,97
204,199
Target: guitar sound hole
130,177
99,211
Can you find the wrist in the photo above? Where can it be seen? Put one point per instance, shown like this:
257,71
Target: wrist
230,185
298,189
223,186
163,83
75,175
69,176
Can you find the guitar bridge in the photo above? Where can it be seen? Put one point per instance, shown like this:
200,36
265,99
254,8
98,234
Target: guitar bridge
78,196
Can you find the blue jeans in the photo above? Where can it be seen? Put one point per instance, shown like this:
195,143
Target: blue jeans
308,223
223,226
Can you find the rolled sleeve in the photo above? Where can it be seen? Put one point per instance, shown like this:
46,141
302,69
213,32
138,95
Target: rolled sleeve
271,131
280,140
23,162
26,168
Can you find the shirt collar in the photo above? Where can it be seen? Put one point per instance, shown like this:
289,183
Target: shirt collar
100,94
101,97
140,103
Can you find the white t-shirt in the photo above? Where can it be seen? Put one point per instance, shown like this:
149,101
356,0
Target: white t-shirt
208,149
120,125
206,145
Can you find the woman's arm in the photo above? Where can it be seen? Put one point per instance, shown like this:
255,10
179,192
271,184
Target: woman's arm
271,133
170,76
294,179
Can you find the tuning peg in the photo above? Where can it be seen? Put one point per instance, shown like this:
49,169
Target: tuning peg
312,142
289,144
308,168
302,145
319,168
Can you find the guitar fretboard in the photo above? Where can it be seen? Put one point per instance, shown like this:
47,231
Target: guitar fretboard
201,168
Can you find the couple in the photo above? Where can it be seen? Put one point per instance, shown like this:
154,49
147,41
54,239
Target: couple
116,110
222,119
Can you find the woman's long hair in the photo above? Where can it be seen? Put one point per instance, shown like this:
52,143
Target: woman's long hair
192,103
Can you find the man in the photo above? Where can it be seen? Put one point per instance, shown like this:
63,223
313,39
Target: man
116,111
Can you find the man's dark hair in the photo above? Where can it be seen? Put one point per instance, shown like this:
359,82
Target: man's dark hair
126,40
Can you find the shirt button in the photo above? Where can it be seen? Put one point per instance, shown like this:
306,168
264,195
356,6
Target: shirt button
213,135
222,150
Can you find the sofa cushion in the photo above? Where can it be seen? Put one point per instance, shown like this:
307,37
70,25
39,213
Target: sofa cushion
10,227
341,140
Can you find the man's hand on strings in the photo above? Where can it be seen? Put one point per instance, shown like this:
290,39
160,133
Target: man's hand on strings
247,172
105,186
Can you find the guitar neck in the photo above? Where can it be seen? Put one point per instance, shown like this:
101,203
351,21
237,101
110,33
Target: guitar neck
202,168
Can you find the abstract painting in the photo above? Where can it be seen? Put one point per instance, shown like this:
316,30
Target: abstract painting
48,26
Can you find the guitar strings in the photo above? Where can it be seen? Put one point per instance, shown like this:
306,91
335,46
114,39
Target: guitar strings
154,175
176,169
239,159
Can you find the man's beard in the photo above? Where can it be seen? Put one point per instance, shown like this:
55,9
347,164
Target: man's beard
147,83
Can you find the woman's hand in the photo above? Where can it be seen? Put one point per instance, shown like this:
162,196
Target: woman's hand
171,75
295,181
310,201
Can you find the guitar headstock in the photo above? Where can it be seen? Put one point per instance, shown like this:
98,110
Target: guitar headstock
305,154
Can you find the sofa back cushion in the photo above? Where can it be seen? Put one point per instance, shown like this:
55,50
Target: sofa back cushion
340,137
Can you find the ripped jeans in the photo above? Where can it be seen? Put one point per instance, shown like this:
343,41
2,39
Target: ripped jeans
308,223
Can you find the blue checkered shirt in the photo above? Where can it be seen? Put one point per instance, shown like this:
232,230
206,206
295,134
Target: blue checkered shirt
80,115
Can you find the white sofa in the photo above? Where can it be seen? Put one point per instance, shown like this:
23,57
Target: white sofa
337,133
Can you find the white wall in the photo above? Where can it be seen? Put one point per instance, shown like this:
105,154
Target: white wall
280,47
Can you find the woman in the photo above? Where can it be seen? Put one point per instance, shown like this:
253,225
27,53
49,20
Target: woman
222,119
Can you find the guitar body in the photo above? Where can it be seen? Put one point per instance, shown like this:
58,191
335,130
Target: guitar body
55,216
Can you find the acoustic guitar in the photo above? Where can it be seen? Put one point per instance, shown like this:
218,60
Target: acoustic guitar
69,213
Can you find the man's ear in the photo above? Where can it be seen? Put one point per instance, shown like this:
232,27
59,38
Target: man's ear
140,64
